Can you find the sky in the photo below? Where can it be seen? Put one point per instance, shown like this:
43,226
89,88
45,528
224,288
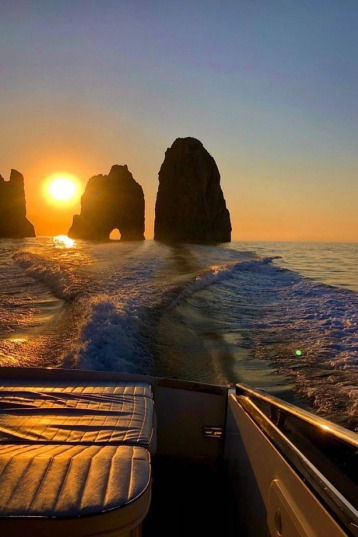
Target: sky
270,87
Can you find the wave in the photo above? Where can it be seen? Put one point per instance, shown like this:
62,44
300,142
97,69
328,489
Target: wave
217,273
304,330
219,313
113,339
63,282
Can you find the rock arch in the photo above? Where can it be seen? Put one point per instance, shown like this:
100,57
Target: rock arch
113,201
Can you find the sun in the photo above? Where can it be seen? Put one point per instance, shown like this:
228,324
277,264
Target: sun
61,188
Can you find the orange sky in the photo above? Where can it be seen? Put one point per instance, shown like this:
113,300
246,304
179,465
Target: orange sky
270,92
264,204
268,200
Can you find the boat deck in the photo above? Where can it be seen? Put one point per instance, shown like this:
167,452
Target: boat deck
89,456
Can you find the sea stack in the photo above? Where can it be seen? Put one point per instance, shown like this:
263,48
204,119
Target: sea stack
13,221
190,205
113,201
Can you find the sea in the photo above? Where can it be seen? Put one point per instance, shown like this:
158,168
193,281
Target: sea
280,316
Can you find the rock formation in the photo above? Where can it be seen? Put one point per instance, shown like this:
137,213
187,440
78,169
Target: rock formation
114,201
13,221
190,205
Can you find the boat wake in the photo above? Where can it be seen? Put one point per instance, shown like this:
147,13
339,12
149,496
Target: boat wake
204,313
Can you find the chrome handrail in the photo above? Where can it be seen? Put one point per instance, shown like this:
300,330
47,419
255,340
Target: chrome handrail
350,437
274,428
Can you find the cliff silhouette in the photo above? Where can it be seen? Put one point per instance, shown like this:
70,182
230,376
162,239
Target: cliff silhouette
190,205
13,221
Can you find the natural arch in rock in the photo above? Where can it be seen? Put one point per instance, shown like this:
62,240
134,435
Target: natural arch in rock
113,201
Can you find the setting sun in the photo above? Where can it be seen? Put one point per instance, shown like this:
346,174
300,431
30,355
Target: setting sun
61,188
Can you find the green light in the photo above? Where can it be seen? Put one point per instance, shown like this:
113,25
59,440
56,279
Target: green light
298,352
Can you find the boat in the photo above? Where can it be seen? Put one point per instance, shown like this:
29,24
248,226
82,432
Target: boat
85,454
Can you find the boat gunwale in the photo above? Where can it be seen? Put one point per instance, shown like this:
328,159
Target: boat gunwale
345,514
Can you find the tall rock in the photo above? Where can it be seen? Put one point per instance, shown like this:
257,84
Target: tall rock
13,221
114,201
190,205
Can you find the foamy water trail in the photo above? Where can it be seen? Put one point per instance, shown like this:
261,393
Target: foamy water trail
58,279
119,331
105,292
305,331
205,313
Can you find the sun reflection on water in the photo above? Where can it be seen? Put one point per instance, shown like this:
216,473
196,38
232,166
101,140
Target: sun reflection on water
62,241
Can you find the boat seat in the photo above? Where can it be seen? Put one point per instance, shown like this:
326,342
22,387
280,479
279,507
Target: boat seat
75,457
73,490
77,412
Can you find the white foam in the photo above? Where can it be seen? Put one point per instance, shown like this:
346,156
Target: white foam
278,312
59,280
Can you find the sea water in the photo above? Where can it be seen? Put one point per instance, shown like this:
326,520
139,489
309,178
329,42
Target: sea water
278,316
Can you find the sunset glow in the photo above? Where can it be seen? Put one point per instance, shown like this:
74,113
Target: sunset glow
62,188
269,92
